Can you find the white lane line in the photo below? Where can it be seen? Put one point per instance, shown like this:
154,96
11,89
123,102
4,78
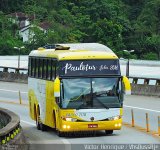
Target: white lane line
12,91
67,144
65,141
157,111
27,122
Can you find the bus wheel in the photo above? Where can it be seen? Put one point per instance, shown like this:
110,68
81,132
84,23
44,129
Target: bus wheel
109,131
37,122
60,134
43,127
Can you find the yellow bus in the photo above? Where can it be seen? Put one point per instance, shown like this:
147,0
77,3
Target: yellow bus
76,87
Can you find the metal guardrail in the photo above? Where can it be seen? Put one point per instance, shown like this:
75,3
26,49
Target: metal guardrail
16,70
144,80
145,86
12,74
10,125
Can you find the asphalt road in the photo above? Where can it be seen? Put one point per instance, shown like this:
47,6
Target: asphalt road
139,104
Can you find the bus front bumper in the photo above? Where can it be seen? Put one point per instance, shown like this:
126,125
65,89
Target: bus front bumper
68,126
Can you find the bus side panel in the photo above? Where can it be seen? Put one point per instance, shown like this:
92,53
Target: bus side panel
50,105
33,102
37,97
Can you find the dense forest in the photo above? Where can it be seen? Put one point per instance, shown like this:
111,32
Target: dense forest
119,24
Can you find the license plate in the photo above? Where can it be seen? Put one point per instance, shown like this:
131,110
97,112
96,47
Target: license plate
92,125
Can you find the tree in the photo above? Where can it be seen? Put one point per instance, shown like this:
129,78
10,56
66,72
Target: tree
150,56
153,44
8,39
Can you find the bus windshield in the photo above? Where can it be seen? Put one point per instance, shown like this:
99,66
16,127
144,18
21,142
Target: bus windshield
86,93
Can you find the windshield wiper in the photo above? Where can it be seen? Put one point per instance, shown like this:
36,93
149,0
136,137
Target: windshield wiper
101,103
79,106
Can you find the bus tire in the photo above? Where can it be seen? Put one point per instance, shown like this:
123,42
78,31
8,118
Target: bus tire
54,119
43,127
108,132
60,134
37,118
39,124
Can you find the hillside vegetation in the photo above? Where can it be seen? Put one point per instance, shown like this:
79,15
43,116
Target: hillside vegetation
119,24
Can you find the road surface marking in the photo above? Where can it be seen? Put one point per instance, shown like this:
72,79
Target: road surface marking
12,91
65,141
15,103
67,144
142,108
27,122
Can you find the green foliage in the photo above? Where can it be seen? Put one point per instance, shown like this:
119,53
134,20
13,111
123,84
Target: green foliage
8,37
121,24
150,56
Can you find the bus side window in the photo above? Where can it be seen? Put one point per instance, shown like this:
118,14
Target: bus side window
36,67
44,69
53,69
32,67
35,64
40,68
29,67
49,69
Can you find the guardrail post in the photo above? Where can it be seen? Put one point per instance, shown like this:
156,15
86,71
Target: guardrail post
132,117
147,122
5,69
146,81
159,125
158,82
20,98
135,80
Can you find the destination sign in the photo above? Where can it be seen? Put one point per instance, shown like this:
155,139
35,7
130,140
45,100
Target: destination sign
89,67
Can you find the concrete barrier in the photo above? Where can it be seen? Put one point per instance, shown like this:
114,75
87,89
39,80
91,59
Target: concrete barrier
145,86
10,131
11,74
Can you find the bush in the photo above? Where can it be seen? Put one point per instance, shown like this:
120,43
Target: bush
150,56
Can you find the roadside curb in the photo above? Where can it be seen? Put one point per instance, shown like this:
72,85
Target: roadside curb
15,103
141,129
11,133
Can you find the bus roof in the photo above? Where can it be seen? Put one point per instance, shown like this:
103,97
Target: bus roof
76,51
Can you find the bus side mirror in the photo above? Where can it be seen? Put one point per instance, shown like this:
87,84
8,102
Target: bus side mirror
57,87
127,85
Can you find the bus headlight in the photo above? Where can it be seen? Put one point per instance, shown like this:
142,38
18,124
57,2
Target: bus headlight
69,119
118,125
114,118
66,126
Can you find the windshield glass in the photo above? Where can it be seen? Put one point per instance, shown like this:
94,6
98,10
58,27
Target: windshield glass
85,93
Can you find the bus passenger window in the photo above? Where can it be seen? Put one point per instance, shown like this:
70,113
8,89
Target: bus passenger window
40,68
44,69
49,69
33,67
53,65
36,67
29,68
